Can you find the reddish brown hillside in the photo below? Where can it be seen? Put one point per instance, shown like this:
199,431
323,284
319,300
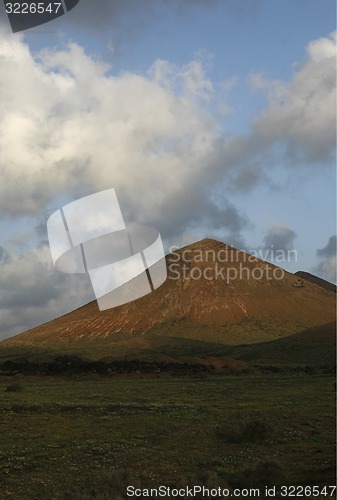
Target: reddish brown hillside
201,299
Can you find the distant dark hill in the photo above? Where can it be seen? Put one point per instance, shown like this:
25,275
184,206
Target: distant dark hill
214,295
318,281
313,347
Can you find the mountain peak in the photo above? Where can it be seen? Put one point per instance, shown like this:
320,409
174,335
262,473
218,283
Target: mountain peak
209,243
205,245
213,292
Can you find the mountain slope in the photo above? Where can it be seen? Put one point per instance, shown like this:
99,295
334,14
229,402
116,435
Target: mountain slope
200,300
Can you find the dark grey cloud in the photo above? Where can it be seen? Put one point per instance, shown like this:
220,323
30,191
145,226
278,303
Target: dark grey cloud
124,20
135,14
32,292
327,267
330,249
279,237
192,208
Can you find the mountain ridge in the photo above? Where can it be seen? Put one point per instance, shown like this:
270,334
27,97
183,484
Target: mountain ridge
327,285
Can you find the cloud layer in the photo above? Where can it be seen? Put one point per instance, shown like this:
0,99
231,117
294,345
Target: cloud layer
69,125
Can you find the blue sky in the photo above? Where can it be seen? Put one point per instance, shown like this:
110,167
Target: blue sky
208,117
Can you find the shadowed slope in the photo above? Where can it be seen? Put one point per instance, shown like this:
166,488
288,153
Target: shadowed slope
318,281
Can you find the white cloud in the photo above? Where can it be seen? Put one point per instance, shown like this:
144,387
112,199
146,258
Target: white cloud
68,125
302,112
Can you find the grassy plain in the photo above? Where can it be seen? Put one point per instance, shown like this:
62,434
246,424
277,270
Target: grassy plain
89,437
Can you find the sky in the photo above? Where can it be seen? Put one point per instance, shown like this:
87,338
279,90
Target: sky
210,118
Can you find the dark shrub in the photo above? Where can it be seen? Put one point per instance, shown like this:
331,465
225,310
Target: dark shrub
267,473
208,478
110,485
257,431
15,387
254,431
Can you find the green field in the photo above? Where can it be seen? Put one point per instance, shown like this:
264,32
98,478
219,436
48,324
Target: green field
90,437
